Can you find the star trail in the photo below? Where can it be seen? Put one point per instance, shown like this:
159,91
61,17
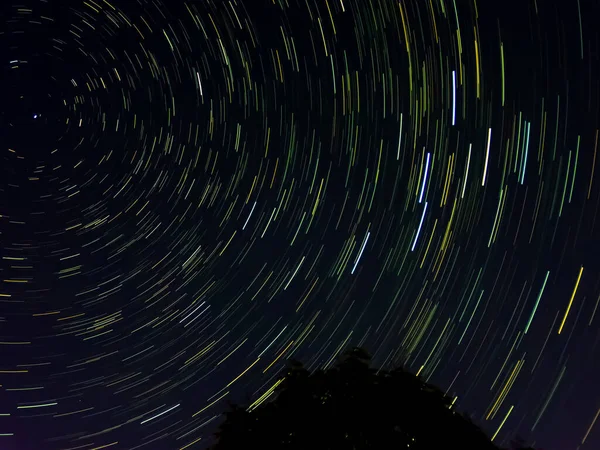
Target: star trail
194,192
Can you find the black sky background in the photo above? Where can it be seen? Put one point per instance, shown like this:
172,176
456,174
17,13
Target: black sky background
137,194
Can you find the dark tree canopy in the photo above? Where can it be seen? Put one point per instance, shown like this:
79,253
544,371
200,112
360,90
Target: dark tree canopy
351,407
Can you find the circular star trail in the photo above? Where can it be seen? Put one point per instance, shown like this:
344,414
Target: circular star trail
193,193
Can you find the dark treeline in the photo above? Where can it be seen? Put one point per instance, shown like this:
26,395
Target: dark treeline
352,406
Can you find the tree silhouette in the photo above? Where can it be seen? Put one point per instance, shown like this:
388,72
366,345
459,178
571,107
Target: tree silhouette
351,407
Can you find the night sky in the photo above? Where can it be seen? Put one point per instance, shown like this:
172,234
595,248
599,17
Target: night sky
194,192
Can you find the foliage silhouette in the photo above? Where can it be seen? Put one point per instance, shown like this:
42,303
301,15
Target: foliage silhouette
351,407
